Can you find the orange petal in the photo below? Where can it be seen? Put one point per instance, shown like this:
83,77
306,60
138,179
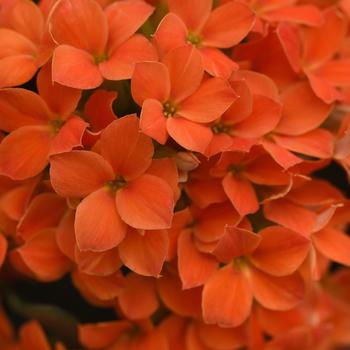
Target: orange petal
264,117
210,222
334,244
146,203
43,257
32,336
209,102
69,136
148,341
171,33
24,152
193,12
317,49
227,25
72,176
336,72
291,216
190,135
103,334
185,69
174,327
125,148
98,226
3,249
323,89
136,11
75,68
227,298
79,23
98,263
217,63
182,302
121,62
138,300
153,121
195,268
280,252
301,14
99,109
277,293
144,253
316,143
21,107
61,100
44,211
150,80
241,194
306,115
65,235
236,242
17,58
104,288
281,156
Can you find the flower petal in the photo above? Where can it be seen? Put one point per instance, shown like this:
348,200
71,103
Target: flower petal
79,23
185,70
334,244
144,253
3,249
75,68
126,148
78,173
153,121
61,100
228,24
241,194
98,226
236,242
69,136
306,115
138,299
194,13
21,107
171,33
209,102
121,62
227,298
195,268
281,251
277,293
43,257
190,135
124,19
24,152
146,203
150,80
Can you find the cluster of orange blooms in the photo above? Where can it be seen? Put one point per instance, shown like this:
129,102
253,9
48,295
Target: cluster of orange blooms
163,153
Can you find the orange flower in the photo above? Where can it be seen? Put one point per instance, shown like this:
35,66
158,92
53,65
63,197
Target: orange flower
116,182
176,101
94,44
40,125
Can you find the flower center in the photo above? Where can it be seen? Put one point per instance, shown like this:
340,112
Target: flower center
100,58
220,128
169,109
193,39
116,184
56,125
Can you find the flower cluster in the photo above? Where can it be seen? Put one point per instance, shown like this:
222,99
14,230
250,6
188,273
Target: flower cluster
165,155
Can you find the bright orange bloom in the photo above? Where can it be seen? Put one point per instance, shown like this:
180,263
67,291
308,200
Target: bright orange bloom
40,125
177,101
194,22
24,42
261,266
94,44
116,186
